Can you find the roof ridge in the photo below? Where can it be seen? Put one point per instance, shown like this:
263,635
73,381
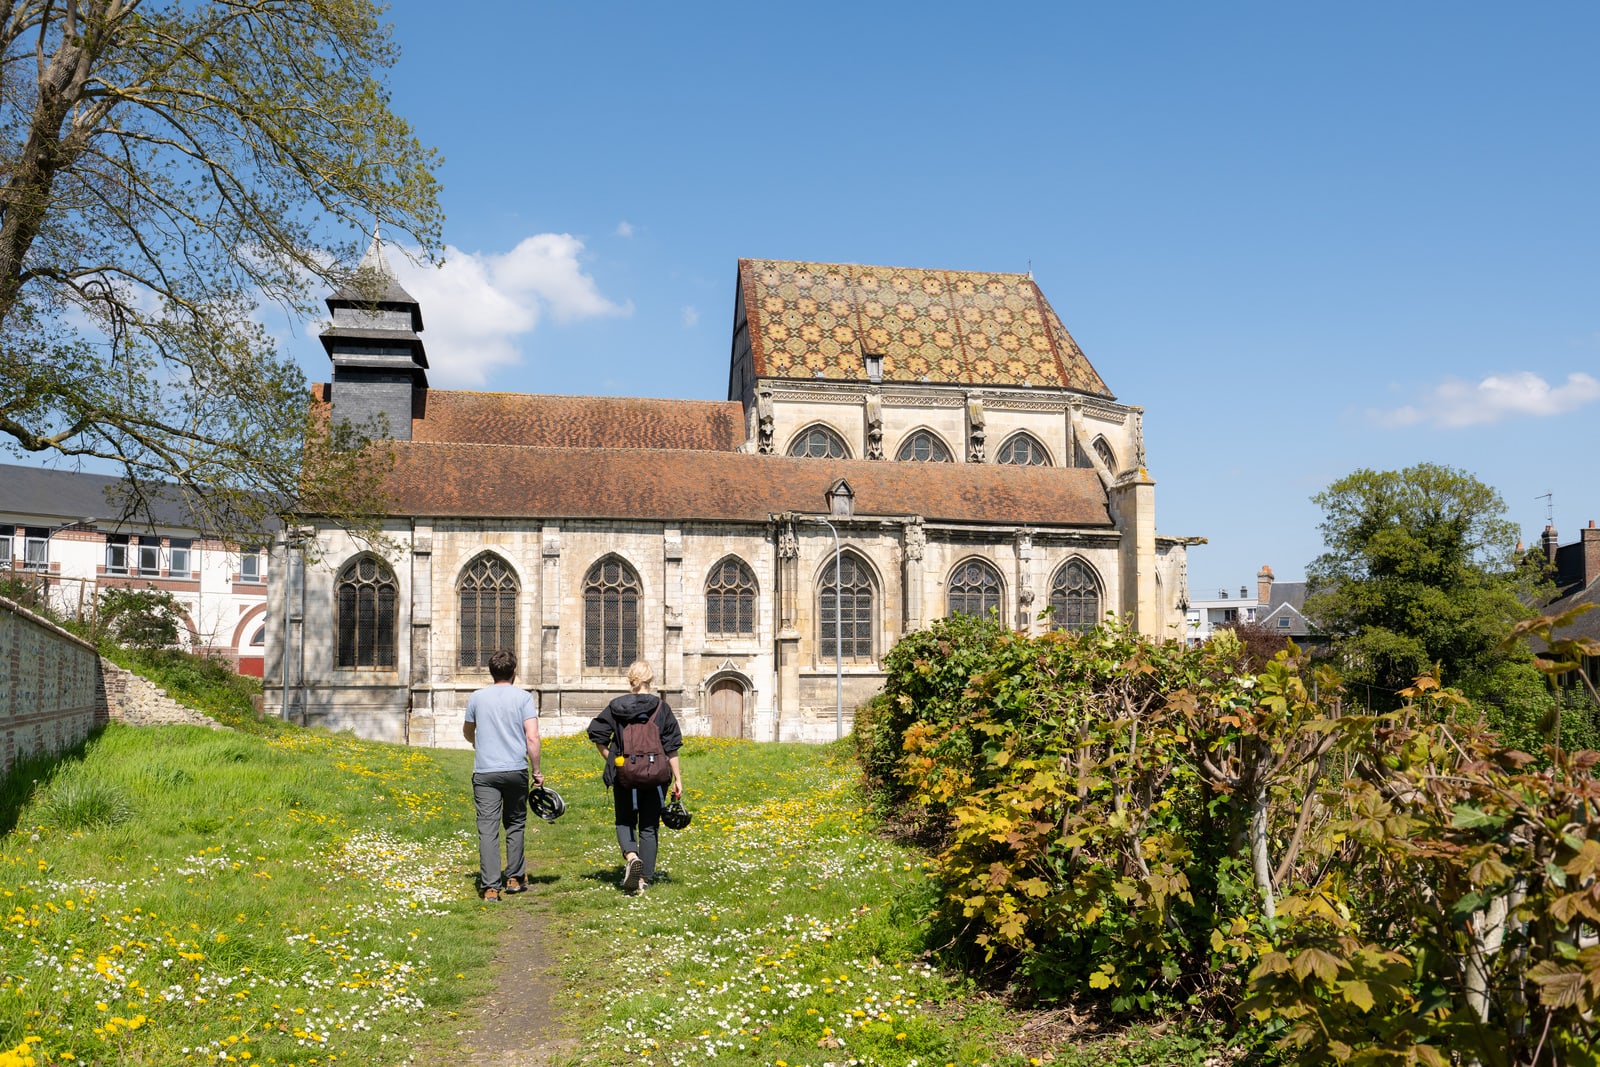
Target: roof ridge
889,266
576,396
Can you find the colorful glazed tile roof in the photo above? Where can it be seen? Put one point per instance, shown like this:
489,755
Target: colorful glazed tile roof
819,320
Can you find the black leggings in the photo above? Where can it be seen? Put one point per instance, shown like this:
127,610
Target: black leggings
638,814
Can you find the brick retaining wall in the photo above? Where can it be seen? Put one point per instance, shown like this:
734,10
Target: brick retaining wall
50,691
55,689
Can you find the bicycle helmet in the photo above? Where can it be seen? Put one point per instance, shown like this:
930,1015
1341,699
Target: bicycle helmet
546,803
675,815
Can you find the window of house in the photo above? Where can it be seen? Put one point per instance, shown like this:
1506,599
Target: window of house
250,565
924,446
488,610
150,556
1284,623
610,615
730,599
974,589
844,610
1075,597
179,556
116,553
819,442
1022,450
36,549
259,638
6,545
366,602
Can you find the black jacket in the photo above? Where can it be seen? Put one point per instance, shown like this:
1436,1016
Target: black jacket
606,727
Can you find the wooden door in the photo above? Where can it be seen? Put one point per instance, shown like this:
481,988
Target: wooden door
727,708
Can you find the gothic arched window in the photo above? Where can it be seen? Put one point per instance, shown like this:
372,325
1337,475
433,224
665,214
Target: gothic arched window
1075,597
730,599
924,446
1103,449
610,614
488,610
819,442
844,610
1023,450
974,588
366,599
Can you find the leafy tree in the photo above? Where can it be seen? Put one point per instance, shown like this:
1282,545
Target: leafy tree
1419,571
168,167
140,618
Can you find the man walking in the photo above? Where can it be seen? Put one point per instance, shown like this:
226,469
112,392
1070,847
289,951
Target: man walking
503,728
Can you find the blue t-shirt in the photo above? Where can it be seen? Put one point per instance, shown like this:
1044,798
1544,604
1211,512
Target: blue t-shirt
500,743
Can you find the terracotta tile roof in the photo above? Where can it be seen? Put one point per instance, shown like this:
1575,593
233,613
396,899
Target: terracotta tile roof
451,416
498,481
818,320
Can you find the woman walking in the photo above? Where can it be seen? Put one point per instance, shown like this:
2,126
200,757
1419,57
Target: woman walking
637,807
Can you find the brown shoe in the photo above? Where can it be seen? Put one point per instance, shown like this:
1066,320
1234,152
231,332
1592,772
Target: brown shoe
516,885
491,896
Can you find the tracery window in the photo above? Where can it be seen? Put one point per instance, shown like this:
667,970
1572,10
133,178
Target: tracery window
844,610
819,442
924,446
730,599
974,588
1103,450
1023,450
366,601
488,592
610,614
1075,597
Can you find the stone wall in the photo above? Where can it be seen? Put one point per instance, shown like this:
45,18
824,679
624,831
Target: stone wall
50,692
140,702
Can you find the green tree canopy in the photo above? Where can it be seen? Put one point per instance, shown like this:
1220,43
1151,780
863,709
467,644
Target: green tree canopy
169,168
1418,571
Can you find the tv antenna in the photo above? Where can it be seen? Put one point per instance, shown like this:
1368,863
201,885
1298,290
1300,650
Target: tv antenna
1549,499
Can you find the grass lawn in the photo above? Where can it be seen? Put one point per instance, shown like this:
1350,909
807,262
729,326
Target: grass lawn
178,895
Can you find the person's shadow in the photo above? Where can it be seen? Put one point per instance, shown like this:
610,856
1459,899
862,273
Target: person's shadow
613,876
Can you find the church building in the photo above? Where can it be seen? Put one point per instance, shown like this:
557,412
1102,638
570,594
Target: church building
896,445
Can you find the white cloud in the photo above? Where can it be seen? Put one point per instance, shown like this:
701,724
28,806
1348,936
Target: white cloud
624,228
478,307
1455,403
691,316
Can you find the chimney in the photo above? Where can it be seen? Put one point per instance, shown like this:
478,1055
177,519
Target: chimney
1244,591
1591,553
1264,585
1550,541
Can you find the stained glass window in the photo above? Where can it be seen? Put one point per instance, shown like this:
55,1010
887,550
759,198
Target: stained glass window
845,610
364,624
731,599
610,615
1075,597
974,589
488,610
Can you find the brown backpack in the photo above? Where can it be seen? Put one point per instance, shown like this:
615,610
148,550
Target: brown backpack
644,761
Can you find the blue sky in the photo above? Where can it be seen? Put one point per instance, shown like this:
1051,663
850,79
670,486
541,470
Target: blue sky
1306,238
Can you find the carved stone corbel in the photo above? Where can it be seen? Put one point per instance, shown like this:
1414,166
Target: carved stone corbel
874,426
976,451
764,421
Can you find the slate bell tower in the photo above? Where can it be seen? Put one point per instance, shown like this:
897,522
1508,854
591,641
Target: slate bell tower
379,364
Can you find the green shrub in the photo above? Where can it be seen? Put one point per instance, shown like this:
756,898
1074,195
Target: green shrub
73,802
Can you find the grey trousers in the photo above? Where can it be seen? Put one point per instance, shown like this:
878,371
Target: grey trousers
502,801
638,818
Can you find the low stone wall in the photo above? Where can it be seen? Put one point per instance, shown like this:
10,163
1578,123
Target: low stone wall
50,692
140,702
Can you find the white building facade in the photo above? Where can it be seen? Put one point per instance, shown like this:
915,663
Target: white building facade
943,425
60,540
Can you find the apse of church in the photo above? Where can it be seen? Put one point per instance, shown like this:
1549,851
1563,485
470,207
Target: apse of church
944,424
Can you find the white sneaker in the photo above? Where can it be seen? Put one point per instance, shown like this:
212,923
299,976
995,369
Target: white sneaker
633,874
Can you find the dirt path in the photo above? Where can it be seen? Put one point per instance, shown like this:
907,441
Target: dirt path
519,1024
